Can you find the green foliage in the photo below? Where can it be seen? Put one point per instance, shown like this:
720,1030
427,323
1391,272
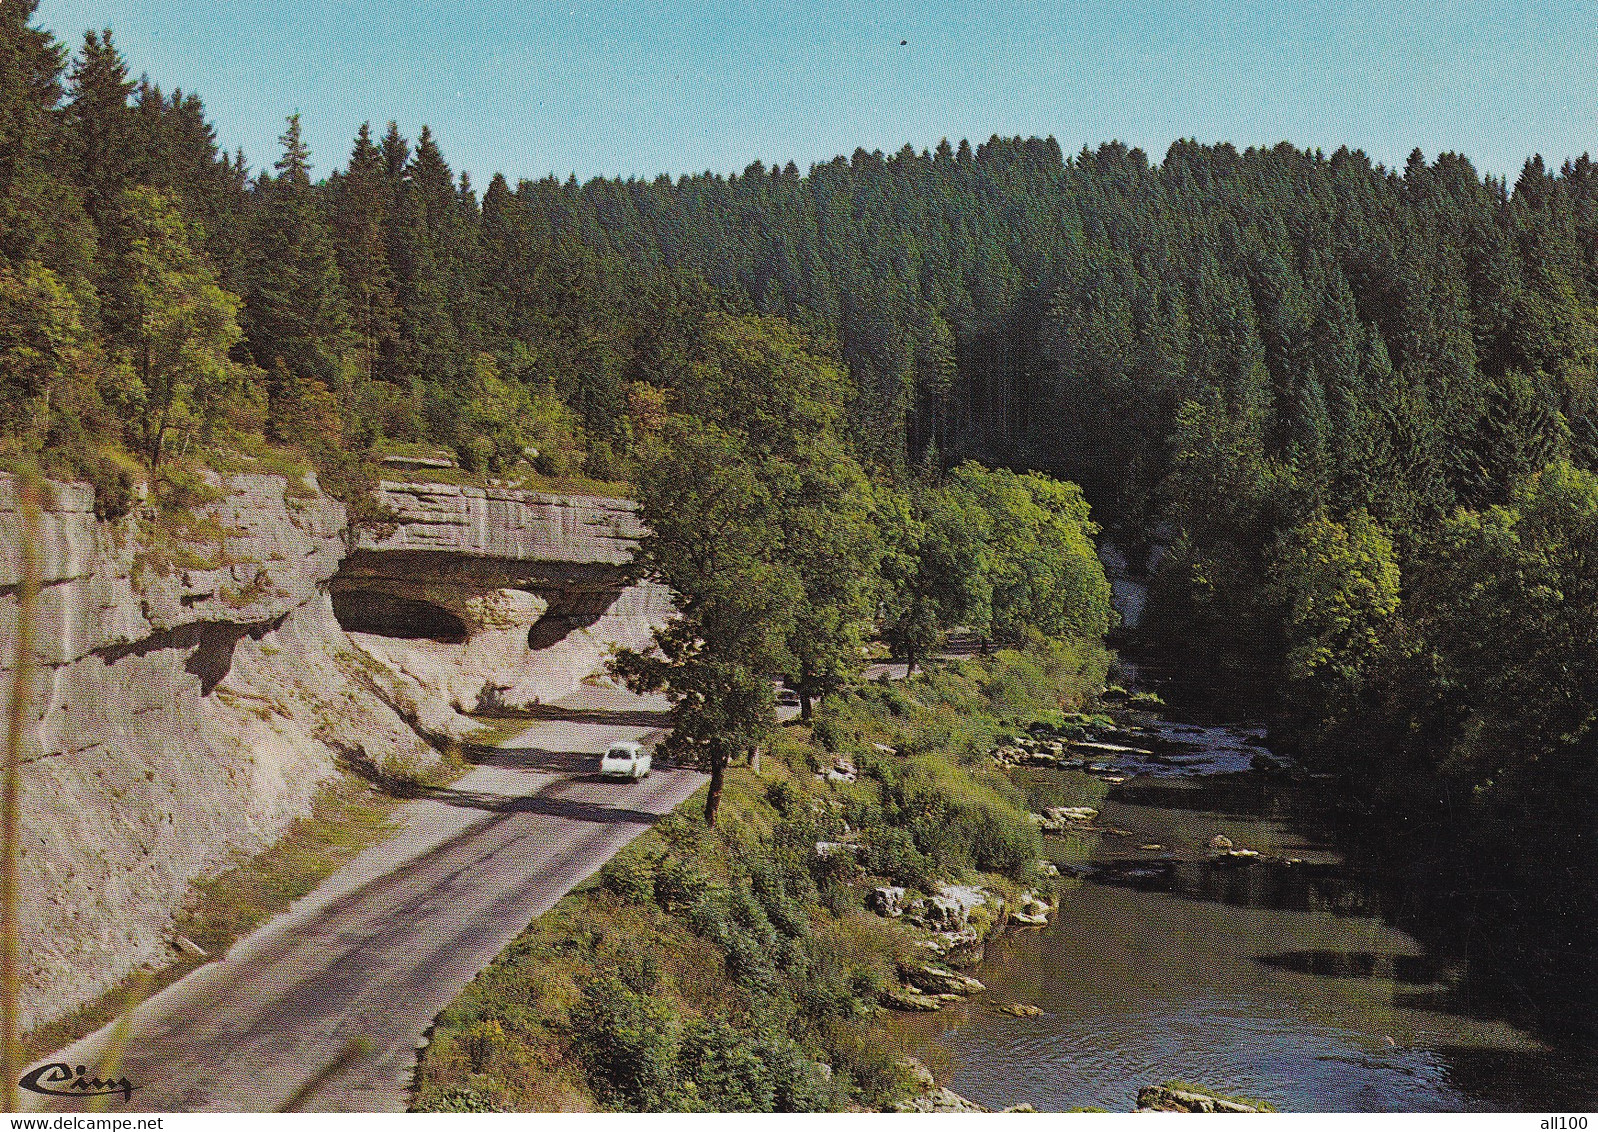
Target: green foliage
1340,583
495,423
297,311
1041,568
177,375
630,876
1284,372
627,1044
721,968
1472,708
48,359
959,818
713,538
932,568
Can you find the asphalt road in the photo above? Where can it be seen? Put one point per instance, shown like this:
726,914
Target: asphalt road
388,941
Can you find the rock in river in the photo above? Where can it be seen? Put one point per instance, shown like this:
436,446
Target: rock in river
1169,1098
903,998
1019,1009
932,979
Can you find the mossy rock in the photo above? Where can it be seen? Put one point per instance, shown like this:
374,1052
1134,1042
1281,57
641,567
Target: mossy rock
903,998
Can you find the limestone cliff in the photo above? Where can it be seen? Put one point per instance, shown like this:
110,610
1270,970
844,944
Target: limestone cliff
197,687
511,597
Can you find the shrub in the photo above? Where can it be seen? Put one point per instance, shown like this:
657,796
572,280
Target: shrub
722,1070
892,853
839,897
630,876
679,883
960,820
782,797
831,983
458,1100
735,921
640,972
873,1071
783,890
798,1084
481,1042
627,1044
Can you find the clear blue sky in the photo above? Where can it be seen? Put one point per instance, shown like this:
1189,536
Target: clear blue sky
650,86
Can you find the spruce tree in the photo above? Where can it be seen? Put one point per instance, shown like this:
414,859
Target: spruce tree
295,308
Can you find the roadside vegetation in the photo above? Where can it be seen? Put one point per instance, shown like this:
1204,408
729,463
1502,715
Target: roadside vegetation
734,967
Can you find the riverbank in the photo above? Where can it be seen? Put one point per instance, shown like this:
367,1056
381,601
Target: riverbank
740,967
1217,930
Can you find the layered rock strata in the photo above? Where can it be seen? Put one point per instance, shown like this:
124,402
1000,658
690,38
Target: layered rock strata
195,686
532,589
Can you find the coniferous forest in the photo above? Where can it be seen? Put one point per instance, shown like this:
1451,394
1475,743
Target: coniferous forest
1346,416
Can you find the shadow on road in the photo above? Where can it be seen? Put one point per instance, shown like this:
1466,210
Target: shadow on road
533,758
355,760
540,804
620,717
575,763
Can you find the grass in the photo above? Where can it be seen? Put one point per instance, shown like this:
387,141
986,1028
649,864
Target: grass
717,969
177,532
258,457
521,479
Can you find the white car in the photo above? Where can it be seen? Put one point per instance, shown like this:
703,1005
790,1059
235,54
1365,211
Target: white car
625,759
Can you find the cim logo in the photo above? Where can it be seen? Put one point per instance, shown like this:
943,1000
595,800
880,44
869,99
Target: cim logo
73,1083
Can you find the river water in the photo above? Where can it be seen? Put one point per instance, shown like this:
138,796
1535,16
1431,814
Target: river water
1274,976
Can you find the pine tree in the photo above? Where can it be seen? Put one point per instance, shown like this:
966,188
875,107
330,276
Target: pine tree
361,199
295,308
40,213
99,126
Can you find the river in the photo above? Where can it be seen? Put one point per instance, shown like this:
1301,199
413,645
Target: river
1274,976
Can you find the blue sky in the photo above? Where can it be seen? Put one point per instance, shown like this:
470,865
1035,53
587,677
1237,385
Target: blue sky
653,86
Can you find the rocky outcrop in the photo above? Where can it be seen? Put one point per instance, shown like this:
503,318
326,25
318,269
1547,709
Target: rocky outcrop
930,978
508,524
515,596
1176,1097
191,697
196,687
928,1096
887,900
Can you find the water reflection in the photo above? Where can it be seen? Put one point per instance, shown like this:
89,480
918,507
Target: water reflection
1358,965
1262,884
1273,976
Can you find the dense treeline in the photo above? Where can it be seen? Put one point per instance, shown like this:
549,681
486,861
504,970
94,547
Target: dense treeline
1350,413
161,302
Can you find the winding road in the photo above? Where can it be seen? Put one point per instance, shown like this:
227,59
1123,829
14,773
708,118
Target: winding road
384,944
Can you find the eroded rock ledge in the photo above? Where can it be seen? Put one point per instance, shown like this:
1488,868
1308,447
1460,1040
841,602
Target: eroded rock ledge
511,597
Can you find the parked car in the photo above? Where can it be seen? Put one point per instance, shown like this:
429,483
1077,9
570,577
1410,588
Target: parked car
625,759
787,697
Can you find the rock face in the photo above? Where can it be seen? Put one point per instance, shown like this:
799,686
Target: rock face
195,687
1173,1098
494,599
929,1096
505,523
